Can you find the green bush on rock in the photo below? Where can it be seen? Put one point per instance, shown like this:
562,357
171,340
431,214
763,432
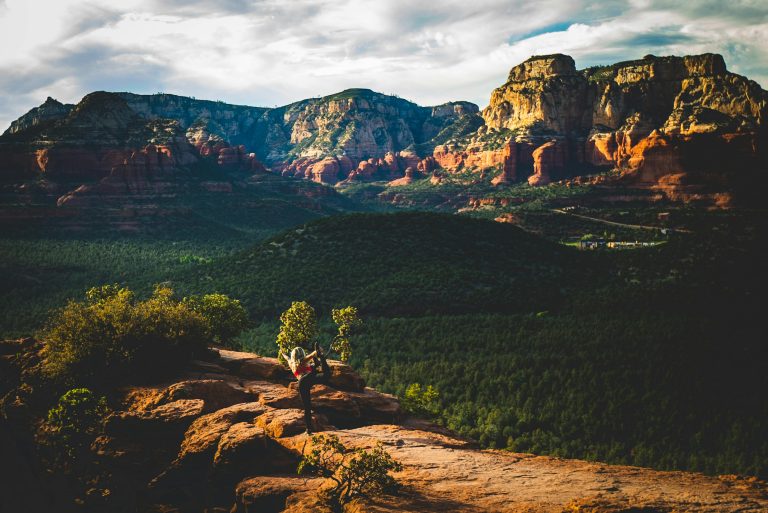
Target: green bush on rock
73,423
226,317
353,472
112,334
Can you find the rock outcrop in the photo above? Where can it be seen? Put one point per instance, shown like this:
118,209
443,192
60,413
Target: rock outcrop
651,118
543,93
548,160
226,435
409,178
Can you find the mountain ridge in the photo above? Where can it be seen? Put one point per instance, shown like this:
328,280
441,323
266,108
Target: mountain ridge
683,127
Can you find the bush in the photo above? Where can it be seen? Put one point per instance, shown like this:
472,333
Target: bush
111,334
354,472
347,320
424,402
226,317
73,423
299,328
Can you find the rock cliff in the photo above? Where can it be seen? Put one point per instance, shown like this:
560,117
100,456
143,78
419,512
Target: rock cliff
653,118
117,147
226,435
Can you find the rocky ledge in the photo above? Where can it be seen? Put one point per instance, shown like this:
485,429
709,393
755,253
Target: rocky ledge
228,433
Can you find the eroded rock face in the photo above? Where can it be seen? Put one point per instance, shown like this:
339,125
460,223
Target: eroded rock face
322,139
361,124
545,93
645,117
50,110
549,160
171,417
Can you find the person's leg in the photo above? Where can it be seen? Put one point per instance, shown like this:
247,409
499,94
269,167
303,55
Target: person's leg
305,385
325,371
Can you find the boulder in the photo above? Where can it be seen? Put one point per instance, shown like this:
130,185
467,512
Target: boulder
262,367
410,176
245,449
377,406
232,360
168,419
337,405
243,440
270,393
194,462
326,171
366,170
345,408
204,433
273,494
344,377
284,397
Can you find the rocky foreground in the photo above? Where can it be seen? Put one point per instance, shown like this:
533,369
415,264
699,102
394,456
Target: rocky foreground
227,435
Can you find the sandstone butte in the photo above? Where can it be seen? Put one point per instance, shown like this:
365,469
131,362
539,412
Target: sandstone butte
684,127
226,435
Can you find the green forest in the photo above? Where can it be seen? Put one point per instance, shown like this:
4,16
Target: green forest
652,357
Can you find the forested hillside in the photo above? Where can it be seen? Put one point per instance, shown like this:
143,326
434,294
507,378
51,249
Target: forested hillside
652,356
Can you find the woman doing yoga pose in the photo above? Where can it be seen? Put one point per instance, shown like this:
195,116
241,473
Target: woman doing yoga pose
304,368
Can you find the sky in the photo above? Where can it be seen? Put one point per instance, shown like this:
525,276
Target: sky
273,52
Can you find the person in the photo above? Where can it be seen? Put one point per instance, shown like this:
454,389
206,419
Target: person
304,368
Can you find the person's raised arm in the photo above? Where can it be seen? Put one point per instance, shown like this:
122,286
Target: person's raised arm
309,357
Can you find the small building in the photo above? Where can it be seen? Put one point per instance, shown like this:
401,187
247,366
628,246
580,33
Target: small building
592,243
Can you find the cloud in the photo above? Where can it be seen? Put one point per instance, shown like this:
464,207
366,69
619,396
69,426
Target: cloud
270,52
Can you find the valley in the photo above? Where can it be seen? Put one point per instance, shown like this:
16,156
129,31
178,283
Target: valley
577,269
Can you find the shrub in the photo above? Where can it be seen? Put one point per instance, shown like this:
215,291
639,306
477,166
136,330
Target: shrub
347,320
73,423
111,334
226,317
299,328
353,472
424,402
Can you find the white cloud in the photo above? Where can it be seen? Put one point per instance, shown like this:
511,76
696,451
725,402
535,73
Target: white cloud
269,52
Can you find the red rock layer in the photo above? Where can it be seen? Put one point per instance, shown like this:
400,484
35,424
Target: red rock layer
342,169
